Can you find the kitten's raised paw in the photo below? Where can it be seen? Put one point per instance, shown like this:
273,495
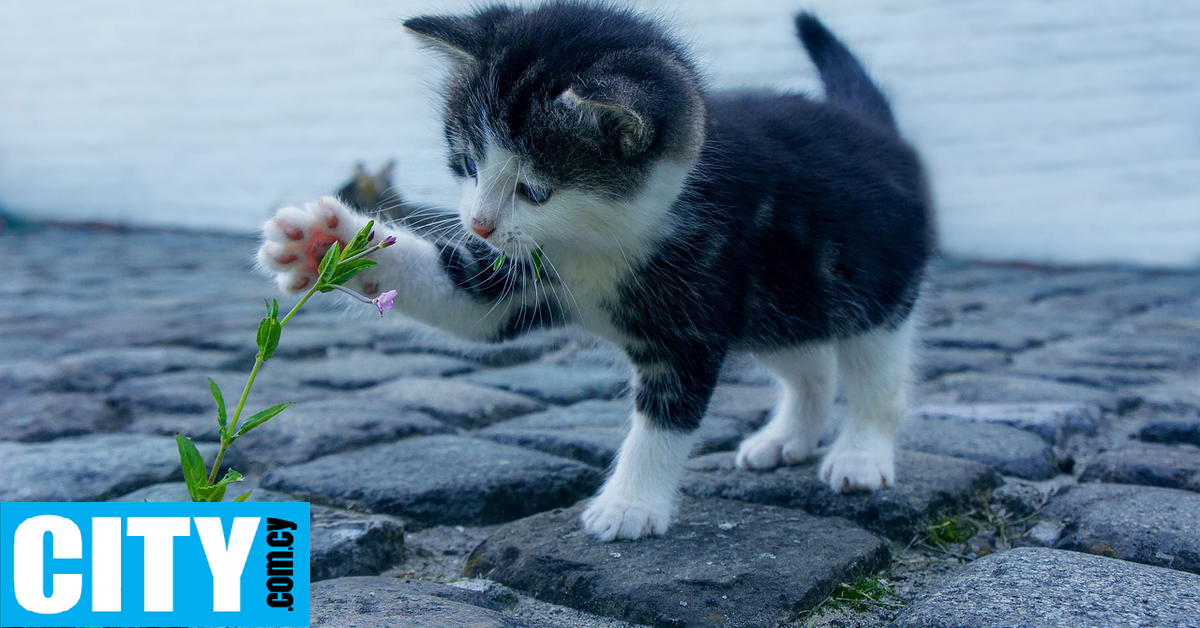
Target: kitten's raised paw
609,518
295,240
763,451
856,469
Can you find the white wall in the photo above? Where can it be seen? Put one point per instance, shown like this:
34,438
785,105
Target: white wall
1064,130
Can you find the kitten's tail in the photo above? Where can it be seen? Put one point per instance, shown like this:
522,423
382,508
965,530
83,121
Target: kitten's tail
846,82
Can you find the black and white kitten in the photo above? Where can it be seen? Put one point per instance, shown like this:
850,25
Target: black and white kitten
683,225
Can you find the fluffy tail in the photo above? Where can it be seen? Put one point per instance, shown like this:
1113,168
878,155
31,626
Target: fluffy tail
846,82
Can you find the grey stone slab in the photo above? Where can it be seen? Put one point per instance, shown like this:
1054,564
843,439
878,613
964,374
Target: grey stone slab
382,602
1054,589
927,488
749,405
1175,466
592,431
1145,524
98,369
554,384
440,480
48,416
995,335
462,404
362,369
1006,388
1121,351
721,564
1010,450
311,429
198,426
1054,422
1171,431
88,468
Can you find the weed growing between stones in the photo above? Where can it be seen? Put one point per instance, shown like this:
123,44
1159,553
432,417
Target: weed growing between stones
337,267
859,594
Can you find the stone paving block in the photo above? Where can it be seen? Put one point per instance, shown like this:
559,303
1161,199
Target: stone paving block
721,564
1010,450
554,384
29,376
1171,430
98,369
311,429
1145,524
88,468
413,338
935,363
1054,589
928,487
1152,465
48,416
1004,388
440,480
362,369
188,392
748,405
382,602
1054,422
342,543
592,431
198,426
461,404
1004,335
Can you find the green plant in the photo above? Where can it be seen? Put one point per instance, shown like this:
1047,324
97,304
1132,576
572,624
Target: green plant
337,267
858,594
949,530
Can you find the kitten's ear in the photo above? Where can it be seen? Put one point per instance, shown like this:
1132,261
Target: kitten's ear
462,38
612,104
384,178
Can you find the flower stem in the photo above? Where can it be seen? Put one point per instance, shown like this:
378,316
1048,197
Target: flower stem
227,438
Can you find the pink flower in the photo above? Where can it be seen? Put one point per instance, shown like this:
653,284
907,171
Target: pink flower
388,241
385,301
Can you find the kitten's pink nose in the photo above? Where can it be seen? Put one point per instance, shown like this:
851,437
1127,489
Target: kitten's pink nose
482,228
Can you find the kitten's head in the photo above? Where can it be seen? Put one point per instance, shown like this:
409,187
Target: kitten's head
570,122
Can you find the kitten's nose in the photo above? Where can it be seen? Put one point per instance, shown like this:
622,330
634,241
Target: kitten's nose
482,228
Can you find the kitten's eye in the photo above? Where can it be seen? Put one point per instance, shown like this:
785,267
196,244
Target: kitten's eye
534,195
469,166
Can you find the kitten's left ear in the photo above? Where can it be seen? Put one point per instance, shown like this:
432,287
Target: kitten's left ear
612,103
463,38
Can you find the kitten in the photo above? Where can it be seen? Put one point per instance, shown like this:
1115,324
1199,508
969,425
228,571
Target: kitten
604,186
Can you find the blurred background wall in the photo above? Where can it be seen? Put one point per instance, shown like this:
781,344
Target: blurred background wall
1064,130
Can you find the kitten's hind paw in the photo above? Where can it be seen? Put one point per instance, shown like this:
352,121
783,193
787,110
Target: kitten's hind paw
765,450
853,469
609,518
295,240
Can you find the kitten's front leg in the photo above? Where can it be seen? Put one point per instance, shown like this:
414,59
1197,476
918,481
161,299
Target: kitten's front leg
458,288
640,497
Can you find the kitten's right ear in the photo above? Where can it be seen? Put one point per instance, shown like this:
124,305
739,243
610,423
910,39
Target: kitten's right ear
462,38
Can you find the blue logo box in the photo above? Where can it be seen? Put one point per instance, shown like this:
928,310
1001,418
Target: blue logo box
154,564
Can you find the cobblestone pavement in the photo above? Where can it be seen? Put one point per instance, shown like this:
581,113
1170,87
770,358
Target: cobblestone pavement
1051,467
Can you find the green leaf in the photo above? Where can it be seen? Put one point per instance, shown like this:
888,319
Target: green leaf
194,471
273,311
243,497
329,263
499,260
216,393
268,337
260,418
359,243
216,492
348,270
536,256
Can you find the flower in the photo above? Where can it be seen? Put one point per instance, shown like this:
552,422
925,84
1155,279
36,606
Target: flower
388,241
385,301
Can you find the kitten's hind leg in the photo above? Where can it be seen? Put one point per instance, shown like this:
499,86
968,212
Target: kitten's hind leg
875,369
807,376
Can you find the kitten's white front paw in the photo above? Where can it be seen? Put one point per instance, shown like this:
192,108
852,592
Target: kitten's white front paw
609,518
765,450
849,468
295,240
